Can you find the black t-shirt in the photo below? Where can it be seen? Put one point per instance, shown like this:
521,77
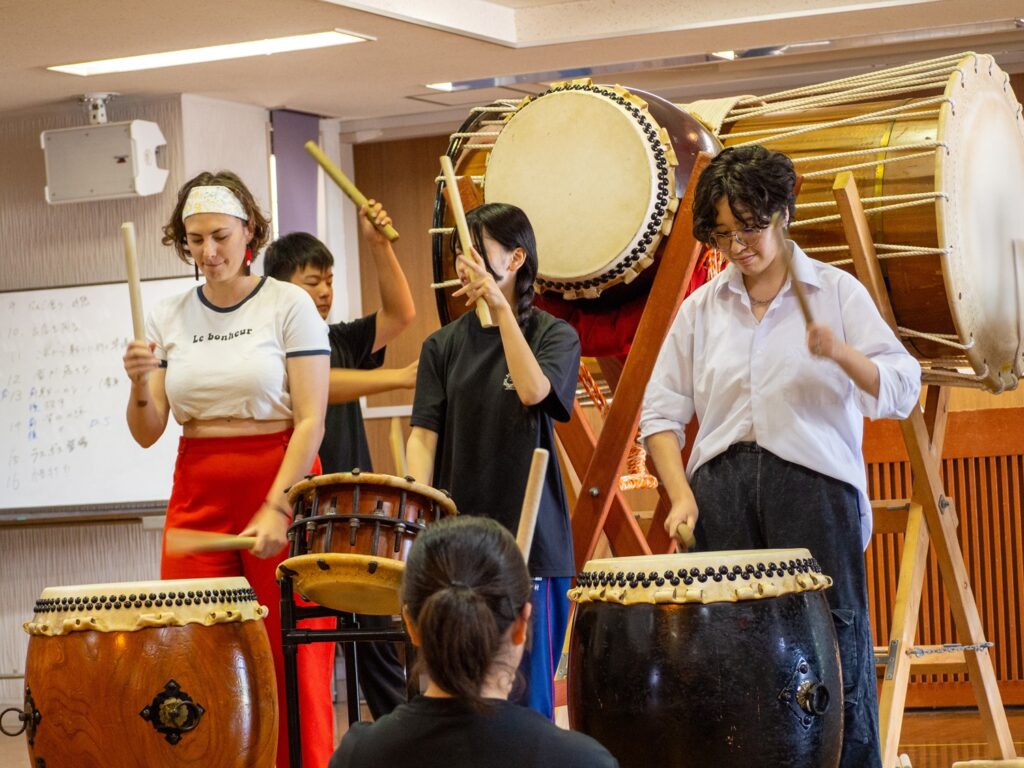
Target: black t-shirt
344,445
486,436
446,733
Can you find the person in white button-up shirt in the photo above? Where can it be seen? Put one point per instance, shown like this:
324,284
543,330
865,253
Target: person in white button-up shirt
777,459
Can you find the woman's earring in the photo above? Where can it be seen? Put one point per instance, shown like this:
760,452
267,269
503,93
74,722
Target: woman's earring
196,265
248,256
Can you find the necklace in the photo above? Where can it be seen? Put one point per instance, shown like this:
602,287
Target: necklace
762,302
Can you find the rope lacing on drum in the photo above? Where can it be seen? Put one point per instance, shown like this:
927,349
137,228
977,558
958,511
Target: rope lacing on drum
869,117
871,211
909,196
931,375
869,164
933,145
943,63
867,92
949,339
883,251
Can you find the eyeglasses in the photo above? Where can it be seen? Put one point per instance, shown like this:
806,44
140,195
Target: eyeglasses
745,237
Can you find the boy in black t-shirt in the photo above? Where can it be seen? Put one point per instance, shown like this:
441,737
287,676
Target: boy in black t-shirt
357,352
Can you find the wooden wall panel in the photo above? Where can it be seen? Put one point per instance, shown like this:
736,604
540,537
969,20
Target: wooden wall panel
983,473
401,175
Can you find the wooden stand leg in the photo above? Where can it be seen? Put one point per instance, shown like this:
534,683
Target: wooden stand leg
930,504
601,475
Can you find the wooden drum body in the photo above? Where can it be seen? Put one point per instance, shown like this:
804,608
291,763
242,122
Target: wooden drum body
351,535
158,674
937,153
726,659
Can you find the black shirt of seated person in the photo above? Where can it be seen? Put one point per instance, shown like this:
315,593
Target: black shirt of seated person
344,445
486,436
448,733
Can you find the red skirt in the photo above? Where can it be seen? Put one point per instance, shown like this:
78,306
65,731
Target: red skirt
219,484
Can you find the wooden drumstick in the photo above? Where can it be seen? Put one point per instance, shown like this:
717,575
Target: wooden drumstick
483,312
446,284
531,502
131,262
346,185
685,534
397,447
798,287
184,541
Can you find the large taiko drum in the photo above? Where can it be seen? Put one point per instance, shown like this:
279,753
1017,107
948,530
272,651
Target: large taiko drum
725,659
351,535
936,149
162,674
598,169
937,152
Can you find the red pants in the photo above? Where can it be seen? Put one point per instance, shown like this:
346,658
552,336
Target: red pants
219,484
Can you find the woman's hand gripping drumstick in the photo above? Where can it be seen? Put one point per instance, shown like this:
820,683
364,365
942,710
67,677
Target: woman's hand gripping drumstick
183,541
531,502
139,360
483,313
350,190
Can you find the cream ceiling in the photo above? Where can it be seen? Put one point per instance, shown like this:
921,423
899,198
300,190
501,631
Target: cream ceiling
380,85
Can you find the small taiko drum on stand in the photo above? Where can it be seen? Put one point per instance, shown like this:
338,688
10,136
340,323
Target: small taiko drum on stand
726,659
351,535
157,674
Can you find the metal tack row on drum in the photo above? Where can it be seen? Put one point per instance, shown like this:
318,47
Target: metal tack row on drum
157,673
725,658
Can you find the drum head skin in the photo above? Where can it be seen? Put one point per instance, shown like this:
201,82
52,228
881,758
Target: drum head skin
981,218
706,577
131,606
355,583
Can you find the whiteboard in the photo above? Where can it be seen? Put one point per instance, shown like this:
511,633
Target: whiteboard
63,393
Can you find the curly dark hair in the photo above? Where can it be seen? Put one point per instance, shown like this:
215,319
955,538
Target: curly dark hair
510,227
464,585
174,229
757,182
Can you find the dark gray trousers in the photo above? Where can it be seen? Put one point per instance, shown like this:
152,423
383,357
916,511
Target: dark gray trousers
749,498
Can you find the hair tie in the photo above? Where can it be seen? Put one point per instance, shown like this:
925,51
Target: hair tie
459,584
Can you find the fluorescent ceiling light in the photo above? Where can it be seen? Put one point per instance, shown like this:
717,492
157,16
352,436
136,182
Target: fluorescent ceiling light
446,87
730,55
212,53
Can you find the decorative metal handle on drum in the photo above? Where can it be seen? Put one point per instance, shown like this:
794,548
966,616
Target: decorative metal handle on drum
172,712
30,718
806,695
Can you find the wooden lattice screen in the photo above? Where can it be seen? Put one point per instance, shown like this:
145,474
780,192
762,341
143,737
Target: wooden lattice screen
983,474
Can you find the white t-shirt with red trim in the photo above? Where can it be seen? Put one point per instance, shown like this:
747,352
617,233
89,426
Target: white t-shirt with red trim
229,362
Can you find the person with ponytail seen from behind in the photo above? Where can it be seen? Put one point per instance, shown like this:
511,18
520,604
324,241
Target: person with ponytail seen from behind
466,604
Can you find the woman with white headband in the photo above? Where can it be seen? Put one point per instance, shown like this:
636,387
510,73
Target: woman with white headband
242,362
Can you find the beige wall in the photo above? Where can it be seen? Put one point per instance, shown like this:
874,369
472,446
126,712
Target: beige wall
51,245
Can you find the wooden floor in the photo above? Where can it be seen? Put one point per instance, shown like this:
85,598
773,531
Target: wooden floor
931,739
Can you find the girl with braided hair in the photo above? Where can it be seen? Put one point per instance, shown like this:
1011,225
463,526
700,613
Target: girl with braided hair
486,398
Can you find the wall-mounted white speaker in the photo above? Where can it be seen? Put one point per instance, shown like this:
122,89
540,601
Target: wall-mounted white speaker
103,162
